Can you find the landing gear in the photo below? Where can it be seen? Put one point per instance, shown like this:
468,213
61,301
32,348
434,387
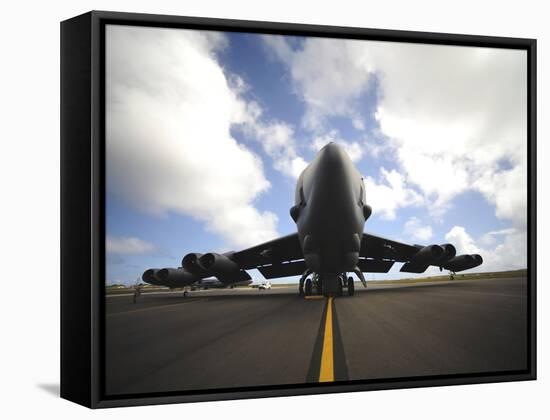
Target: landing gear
301,291
308,287
319,286
361,277
185,293
351,286
340,286
326,285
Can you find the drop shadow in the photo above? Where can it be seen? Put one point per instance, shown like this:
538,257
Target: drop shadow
52,389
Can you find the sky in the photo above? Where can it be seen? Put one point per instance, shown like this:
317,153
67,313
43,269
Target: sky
207,132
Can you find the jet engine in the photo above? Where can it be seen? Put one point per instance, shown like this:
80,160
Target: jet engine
477,259
150,276
463,262
191,263
222,267
176,277
449,252
428,255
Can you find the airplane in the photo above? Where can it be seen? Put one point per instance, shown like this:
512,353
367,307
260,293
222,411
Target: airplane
214,283
330,211
163,277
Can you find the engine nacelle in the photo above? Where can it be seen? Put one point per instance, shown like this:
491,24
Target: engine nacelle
191,263
176,277
478,259
150,276
463,262
449,252
428,255
220,266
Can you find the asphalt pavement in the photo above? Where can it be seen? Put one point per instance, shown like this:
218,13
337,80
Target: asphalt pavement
218,339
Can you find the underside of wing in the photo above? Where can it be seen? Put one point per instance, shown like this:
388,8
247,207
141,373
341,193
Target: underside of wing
273,271
283,257
377,247
367,265
276,252
378,255
279,257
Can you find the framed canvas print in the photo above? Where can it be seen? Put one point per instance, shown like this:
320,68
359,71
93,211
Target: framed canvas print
255,209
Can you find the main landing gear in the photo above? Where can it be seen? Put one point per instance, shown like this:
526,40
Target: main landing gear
308,290
351,286
314,285
348,284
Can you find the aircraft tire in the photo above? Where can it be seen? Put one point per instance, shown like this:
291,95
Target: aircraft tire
351,286
340,286
308,289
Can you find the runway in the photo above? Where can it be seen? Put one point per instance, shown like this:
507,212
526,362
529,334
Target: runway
238,338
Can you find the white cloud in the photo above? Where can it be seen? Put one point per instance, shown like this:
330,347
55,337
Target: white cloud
326,77
451,114
462,241
390,194
490,238
353,149
169,148
416,230
464,113
128,245
277,140
507,190
375,148
511,254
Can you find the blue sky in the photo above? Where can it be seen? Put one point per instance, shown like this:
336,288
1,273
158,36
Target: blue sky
206,133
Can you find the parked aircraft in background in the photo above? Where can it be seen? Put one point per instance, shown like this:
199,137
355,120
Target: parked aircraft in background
265,285
163,277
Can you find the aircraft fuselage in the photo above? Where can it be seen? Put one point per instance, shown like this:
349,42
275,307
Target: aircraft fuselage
330,212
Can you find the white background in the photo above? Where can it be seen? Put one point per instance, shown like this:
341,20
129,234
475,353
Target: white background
29,211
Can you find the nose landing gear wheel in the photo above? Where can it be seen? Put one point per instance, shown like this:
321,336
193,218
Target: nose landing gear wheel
351,286
308,288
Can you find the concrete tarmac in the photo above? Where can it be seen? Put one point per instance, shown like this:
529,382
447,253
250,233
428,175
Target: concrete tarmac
217,339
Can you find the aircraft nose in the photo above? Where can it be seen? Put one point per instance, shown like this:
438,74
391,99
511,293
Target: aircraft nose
331,150
332,159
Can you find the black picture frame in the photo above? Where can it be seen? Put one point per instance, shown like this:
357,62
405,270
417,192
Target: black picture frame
83,210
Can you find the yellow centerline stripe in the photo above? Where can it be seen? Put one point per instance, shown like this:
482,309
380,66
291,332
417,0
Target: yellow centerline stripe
326,373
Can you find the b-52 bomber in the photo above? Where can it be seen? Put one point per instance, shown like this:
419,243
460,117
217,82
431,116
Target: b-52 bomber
330,211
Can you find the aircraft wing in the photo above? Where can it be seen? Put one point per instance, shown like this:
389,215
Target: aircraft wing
377,247
281,257
378,255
